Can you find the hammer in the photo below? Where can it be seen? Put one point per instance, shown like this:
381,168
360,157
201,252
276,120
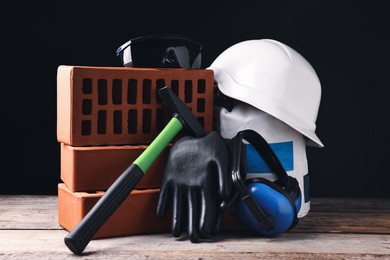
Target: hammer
182,117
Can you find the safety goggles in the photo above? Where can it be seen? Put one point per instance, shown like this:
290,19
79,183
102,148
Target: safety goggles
161,51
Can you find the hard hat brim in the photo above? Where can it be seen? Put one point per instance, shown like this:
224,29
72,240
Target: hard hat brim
268,104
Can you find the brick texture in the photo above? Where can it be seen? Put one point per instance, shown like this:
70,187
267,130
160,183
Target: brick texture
110,105
106,117
97,167
135,216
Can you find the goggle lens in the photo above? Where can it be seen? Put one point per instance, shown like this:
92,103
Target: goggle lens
161,51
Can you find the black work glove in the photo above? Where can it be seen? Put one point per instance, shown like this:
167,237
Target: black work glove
197,180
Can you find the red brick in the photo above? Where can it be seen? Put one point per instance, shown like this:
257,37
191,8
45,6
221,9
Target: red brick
95,107
135,216
97,167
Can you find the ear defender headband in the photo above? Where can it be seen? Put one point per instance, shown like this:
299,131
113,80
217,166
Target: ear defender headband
269,208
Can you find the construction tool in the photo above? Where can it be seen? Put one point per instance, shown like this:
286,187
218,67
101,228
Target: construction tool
182,118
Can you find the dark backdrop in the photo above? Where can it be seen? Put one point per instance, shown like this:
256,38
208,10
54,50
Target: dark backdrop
346,42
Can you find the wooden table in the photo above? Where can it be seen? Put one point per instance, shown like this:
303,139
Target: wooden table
335,228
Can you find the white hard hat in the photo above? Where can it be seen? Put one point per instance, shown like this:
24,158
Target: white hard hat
274,78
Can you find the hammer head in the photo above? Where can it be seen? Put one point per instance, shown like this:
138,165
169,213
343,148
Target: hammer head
176,106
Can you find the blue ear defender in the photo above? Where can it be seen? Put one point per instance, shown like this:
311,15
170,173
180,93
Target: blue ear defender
269,208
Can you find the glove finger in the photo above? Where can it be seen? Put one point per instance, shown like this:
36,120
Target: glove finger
193,213
162,204
208,212
217,223
177,214
222,163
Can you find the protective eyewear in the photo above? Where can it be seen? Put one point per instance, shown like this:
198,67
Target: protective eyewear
161,51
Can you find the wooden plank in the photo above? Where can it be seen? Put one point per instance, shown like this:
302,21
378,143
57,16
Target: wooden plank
334,229
334,215
352,205
347,215
329,215
356,223
17,244
28,212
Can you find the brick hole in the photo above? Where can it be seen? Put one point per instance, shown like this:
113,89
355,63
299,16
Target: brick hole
201,120
146,120
87,86
188,91
160,83
102,122
201,86
175,86
117,122
86,107
200,104
132,121
147,91
132,91
117,91
160,119
86,127
102,92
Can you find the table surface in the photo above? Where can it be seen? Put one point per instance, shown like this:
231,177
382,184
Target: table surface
335,228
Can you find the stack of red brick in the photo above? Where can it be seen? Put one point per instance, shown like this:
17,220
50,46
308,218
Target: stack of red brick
106,117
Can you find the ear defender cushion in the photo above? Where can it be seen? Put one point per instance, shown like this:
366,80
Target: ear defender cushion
275,202
293,189
298,203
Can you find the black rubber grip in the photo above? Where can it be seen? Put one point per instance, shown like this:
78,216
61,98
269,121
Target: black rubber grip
83,233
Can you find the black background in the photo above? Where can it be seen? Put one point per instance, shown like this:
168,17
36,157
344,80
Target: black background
346,42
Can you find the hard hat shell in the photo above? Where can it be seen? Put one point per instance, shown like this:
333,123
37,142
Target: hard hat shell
274,78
